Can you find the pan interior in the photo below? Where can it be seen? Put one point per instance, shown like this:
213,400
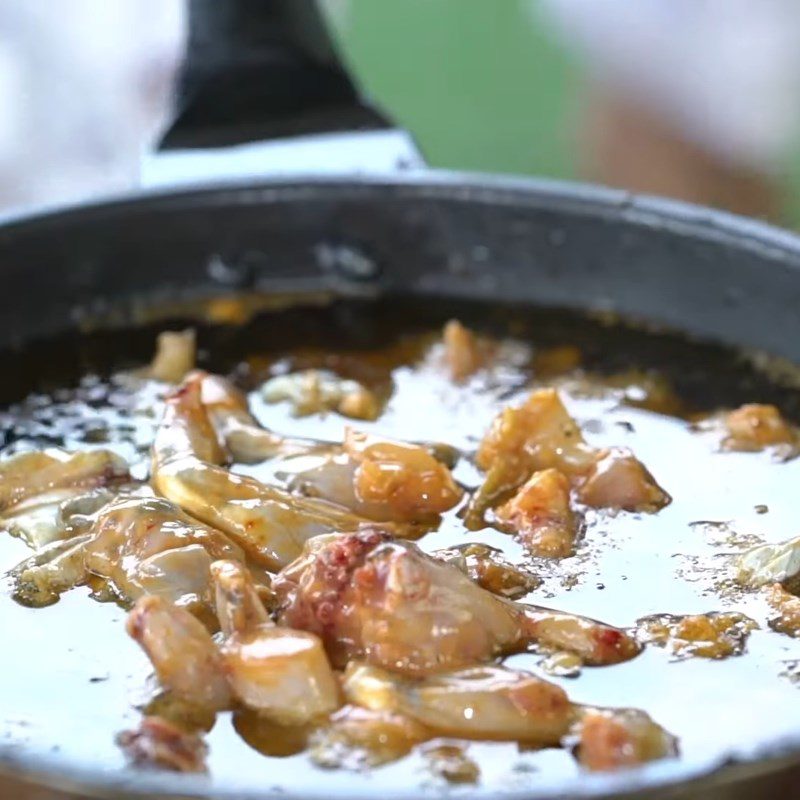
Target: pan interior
70,667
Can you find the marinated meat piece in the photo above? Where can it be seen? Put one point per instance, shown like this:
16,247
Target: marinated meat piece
617,479
715,635
498,703
488,702
537,435
149,546
540,435
281,673
610,740
55,515
238,604
594,642
399,482
269,523
34,473
381,479
369,596
182,652
385,601
755,426
39,581
540,515
159,744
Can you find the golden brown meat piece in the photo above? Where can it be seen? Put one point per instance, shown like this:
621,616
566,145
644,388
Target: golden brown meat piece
484,703
617,479
464,352
755,426
540,515
594,642
182,652
159,744
384,480
269,523
399,482
385,601
537,435
283,674
244,438
788,607
715,635
56,515
390,714
611,740
149,546
140,545
540,435
502,704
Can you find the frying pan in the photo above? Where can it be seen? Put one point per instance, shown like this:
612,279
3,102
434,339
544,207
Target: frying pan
418,234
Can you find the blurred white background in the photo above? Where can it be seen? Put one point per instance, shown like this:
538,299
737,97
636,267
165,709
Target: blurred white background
85,85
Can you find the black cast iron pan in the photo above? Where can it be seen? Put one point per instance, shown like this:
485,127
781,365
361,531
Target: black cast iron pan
414,235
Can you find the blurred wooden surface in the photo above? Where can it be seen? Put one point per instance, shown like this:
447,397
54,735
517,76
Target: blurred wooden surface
782,785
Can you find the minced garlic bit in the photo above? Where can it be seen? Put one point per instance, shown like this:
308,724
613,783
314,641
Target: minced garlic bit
713,635
769,563
449,760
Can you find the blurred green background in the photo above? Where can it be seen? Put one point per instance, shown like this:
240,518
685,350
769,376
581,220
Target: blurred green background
480,83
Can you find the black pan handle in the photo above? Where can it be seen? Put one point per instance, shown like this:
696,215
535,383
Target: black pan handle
263,69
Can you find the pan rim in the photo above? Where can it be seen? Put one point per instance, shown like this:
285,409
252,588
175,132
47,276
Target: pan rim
649,211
